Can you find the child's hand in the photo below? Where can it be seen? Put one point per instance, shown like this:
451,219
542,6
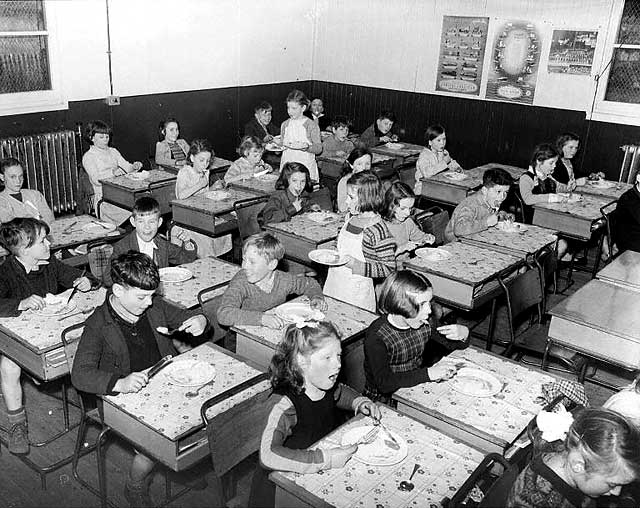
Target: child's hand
267,138
430,239
137,166
581,181
318,302
195,325
83,284
133,383
386,139
33,302
407,247
339,456
369,408
351,262
454,332
447,158
441,372
218,184
272,321
393,138
571,185
297,204
506,216
315,208
492,220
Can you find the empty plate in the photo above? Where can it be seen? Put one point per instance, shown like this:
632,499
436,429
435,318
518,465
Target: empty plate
189,372
454,175
382,451
322,217
431,254
327,257
511,227
174,274
140,175
476,382
295,312
98,227
218,195
602,184
56,305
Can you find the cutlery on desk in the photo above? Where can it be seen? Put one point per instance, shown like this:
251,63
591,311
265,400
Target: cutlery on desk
378,423
85,312
75,288
192,394
369,437
69,227
161,364
166,331
407,486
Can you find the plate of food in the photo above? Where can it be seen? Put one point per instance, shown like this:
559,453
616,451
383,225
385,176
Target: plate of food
98,226
476,382
272,146
571,197
601,184
218,195
433,254
327,257
268,177
189,372
382,451
296,312
56,305
174,274
454,175
138,175
323,217
511,227
394,146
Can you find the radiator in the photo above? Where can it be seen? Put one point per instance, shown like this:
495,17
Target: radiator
50,163
630,163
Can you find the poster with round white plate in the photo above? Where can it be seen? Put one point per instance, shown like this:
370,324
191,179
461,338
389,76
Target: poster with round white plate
190,372
476,382
174,274
382,451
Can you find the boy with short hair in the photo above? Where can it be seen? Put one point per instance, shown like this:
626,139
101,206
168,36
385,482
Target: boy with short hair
261,125
28,274
480,211
379,131
145,219
337,145
259,286
121,340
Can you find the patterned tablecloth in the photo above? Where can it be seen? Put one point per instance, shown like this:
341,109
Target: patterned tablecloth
468,263
587,208
445,465
613,192
215,206
156,176
40,333
302,226
265,184
407,150
207,272
164,407
377,158
348,320
75,230
514,171
472,180
527,242
503,415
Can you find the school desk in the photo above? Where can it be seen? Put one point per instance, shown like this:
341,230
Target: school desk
490,424
258,343
331,167
217,167
124,190
623,271
523,244
72,231
401,156
611,190
444,465
264,185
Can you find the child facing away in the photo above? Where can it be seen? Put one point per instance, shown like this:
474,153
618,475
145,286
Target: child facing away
102,161
261,126
481,210
249,163
146,220
379,131
366,243
27,276
360,159
337,144
120,341
601,454
399,201
170,149
434,158
402,345
193,180
16,201
259,287
303,371
300,135
292,196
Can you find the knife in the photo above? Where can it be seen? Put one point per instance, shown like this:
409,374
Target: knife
384,427
159,366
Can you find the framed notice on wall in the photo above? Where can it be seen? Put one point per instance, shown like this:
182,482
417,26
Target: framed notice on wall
571,51
462,47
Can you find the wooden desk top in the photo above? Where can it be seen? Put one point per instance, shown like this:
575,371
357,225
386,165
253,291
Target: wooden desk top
156,177
44,333
526,242
514,171
302,226
348,320
624,270
207,272
265,184
613,192
502,416
588,208
468,264
219,163
445,464
214,207
407,150
163,406
377,158
76,230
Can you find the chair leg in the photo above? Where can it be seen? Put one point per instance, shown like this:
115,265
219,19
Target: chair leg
492,319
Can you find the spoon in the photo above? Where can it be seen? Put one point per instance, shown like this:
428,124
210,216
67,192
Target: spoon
166,331
190,395
407,486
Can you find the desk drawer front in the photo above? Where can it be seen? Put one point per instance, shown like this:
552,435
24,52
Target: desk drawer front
121,197
443,193
567,224
196,218
295,247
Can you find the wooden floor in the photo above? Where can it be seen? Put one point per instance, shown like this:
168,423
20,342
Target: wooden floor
20,486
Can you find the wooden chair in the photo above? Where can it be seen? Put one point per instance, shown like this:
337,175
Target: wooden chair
608,212
322,198
434,220
247,211
235,434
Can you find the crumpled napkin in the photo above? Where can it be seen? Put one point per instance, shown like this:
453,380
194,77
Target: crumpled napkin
554,426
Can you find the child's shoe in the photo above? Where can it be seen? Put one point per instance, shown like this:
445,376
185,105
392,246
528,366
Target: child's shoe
137,493
18,432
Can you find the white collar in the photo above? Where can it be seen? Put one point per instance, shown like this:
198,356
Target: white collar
141,242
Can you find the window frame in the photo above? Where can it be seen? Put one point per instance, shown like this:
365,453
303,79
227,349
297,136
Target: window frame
40,100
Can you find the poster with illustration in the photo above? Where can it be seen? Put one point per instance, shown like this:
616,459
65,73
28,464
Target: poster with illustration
514,66
462,47
572,51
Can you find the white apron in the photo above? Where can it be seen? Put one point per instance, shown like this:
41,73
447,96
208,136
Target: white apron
296,133
342,284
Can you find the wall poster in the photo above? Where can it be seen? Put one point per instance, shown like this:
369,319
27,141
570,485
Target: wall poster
572,51
514,67
462,47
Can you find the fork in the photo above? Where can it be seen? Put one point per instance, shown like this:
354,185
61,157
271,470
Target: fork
369,437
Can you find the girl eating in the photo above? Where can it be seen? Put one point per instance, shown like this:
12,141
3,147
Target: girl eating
300,135
170,150
567,145
304,371
249,163
434,158
366,243
395,344
360,159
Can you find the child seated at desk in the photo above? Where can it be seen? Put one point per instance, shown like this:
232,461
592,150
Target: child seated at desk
16,201
27,276
249,163
481,210
401,346
317,114
304,370
259,287
360,159
601,454
434,158
261,126
379,131
170,150
292,196
120,341
146,219
337,144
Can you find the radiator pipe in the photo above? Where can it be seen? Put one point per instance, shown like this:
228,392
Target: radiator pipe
106,2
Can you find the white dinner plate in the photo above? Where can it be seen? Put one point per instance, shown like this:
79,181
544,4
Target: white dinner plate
602,184
218,195
140,175
454,175
99,227
189,372
268,177
433,254
174,274
327,257
296,312
382,451
394,146
511,227
476,382
59,308
573,198
323,217
273,147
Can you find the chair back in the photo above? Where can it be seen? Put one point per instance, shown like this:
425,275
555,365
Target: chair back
322,198
247,211
433,220
85,203
70,340
209,304
522,292
608,212
407,175
99,255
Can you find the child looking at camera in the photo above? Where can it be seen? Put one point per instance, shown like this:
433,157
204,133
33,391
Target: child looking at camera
379,131
170,149
360,159
249,163
434,158
337,144
16,201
